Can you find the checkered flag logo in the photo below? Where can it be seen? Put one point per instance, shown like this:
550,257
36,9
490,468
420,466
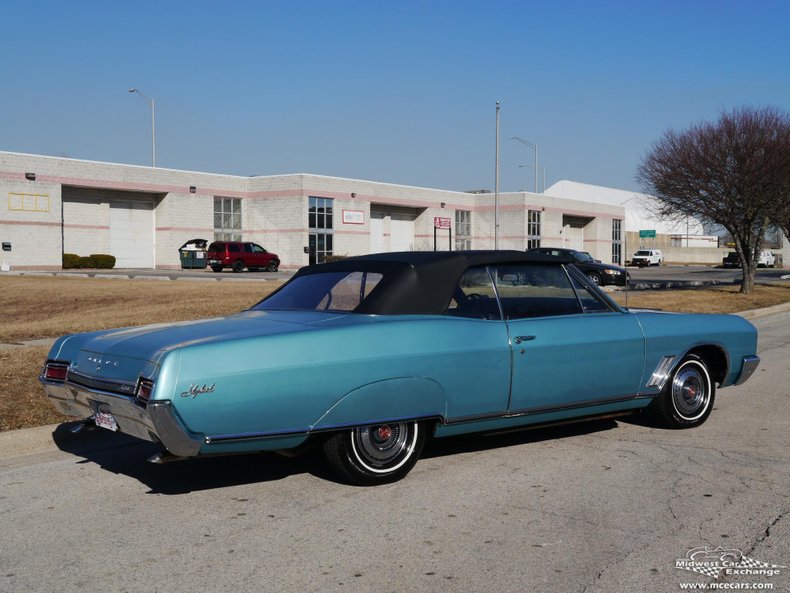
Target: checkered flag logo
752,563
711,562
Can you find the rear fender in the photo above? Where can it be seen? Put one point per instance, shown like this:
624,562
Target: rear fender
401,398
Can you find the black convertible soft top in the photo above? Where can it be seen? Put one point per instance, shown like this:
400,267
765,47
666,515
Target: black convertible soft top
421,282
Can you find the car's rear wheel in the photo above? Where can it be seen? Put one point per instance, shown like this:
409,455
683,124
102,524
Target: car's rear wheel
216,268
273,265
687,398
594,278
238,266
377,453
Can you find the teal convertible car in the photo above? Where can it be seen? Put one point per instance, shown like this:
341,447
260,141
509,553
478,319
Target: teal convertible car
369,356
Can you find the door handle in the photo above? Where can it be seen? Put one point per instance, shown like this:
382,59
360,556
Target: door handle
519,339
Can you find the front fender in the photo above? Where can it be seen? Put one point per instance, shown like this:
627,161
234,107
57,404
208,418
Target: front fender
400,398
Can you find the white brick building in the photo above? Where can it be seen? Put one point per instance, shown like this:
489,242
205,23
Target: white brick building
142,215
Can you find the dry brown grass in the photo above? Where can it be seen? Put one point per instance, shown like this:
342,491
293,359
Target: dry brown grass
22,400
720,299
45,307
49,307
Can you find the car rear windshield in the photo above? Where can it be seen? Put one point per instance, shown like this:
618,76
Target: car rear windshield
331,291
217,247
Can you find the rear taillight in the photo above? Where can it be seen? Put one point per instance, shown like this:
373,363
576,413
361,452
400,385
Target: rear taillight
56,371
145,388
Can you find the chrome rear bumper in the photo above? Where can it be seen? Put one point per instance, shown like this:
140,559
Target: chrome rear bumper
156,422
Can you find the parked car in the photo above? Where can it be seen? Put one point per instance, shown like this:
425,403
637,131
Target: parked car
238,255
368,356
599,273
647,257
766,259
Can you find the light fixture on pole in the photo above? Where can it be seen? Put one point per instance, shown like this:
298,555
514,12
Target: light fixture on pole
542,174
153,124
535,148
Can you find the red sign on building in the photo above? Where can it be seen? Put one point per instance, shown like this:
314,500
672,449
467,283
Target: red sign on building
441,223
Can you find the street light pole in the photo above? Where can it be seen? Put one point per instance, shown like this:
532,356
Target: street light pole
535,148
496,184
153,124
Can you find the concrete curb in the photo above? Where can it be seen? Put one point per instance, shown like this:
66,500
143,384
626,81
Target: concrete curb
755,313
156,275
27,441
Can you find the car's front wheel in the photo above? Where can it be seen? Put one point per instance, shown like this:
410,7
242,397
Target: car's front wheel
687,398
594,278
377,453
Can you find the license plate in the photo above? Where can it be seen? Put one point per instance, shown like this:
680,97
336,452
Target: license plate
105,420
214,261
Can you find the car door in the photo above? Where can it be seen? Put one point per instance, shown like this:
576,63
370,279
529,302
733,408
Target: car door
476,374
259,256
569,348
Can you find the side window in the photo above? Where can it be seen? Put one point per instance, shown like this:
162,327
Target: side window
257,248
349,292
247,247
591,302
233,247
474,297
533,290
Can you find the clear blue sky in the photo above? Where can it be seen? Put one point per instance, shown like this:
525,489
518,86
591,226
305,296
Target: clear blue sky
398,91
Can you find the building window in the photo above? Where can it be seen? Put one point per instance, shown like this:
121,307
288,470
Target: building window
227,219
319,220
463,230
533,229
617,241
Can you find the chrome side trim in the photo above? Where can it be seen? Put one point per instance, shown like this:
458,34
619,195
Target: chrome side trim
662,373
307,431
169,430
750,364
548,409
252,436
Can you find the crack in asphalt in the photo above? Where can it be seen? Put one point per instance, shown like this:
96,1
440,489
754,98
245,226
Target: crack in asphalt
767,532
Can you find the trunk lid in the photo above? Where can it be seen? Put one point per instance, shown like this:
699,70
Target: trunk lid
124,354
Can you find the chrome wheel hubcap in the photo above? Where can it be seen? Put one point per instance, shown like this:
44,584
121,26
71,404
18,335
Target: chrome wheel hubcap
690,393
384,447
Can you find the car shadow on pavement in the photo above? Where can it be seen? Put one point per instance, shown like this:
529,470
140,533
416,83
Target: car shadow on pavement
121,454
512,438
125,455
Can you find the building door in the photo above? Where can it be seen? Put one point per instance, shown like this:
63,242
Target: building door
401,232
376,231
132,234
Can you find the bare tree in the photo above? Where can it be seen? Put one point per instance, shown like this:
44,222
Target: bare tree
735,173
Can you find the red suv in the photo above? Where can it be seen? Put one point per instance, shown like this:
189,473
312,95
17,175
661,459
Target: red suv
238,255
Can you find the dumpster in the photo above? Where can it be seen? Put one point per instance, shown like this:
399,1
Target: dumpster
193,254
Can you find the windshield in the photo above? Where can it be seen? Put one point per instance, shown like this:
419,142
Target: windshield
641,252
331,291
583,256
